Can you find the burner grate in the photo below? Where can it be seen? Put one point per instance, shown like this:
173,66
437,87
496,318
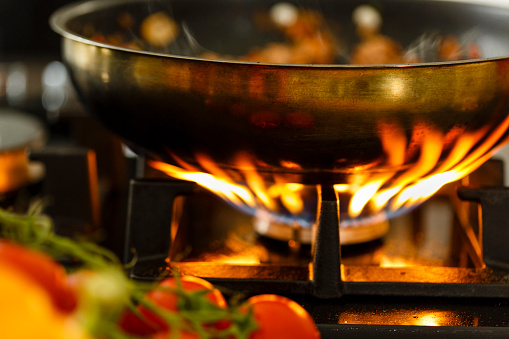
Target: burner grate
468,300
325,276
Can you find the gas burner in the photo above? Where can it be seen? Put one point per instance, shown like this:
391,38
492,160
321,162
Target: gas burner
438,244
349,235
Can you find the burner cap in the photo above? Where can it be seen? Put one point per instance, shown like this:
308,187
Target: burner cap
348,235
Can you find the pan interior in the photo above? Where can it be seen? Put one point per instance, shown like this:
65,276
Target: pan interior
233,27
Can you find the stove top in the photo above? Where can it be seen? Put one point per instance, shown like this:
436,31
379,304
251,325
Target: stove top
436,272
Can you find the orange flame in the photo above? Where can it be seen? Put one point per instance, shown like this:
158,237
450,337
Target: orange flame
386,189
256,194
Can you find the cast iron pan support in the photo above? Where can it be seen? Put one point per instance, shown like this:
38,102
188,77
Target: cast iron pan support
150,210
71,172
327,251
494,232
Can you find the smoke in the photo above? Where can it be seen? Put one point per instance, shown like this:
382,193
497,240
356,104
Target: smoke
426,48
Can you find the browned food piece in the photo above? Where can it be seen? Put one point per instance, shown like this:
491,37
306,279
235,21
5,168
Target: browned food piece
125,20
272,53
473,51
214,55
308,24
116,40
450,49
308,51
377,50
159,30
314,50
309,43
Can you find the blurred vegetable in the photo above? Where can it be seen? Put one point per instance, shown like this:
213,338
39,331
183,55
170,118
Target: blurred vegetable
42,270
27,310
170,296
280,317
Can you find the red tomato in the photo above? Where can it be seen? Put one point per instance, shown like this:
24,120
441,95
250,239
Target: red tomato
152,324
41,269
280,317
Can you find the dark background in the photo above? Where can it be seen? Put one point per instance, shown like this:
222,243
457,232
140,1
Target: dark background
27,41
25,30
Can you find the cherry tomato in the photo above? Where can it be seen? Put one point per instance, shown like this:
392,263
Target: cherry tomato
43,270
280,317
151,324
27,311
189,283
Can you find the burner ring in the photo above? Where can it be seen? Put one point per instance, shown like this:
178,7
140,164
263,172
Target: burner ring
19,132
348,235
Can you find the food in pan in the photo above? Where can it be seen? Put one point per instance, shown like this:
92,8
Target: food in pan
159,29
307,40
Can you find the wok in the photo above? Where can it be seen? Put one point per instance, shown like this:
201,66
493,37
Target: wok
316,124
